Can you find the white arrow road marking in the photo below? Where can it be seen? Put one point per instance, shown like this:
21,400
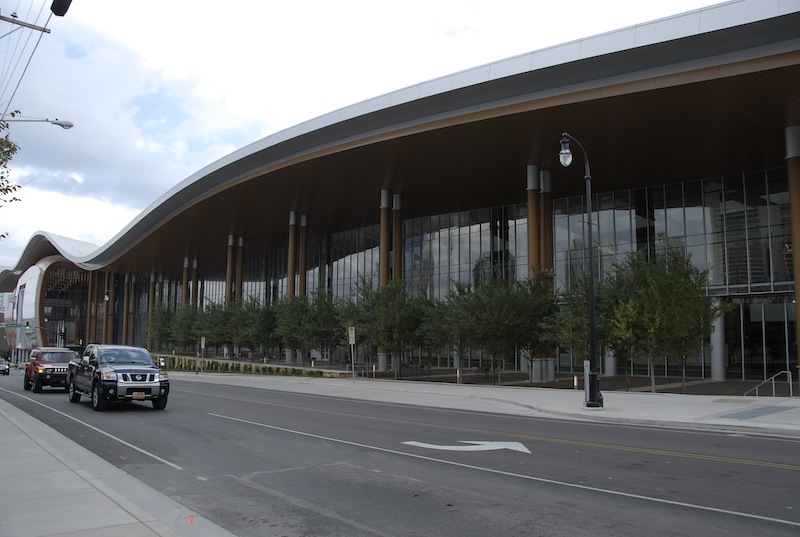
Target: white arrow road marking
473,446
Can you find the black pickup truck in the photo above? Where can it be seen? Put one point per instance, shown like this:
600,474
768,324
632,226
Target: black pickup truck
117,373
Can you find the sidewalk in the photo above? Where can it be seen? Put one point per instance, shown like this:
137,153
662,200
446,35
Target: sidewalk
79,492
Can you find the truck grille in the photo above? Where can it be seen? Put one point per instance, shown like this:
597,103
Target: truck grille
138,377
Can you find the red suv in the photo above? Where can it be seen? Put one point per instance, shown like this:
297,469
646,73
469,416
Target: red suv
47,366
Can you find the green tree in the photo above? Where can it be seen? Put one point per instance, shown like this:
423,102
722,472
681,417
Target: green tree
433,331
458,319
214,325
540,308
183,327
357,310
7,151
570,326
498,317
293,326
159,325
393,320
326,330
245,326
663,309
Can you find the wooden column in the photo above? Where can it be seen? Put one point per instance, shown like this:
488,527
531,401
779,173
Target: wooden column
534,221
229,273
303,254
291,264
397,236
793,171
546,184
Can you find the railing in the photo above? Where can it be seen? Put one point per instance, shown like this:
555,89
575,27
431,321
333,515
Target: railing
771,381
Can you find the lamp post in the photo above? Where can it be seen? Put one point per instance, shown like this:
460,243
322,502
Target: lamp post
60,122
595,398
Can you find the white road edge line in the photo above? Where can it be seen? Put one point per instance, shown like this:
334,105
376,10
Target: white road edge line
92,427
520,476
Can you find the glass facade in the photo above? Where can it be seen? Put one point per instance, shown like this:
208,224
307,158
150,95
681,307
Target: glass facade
737,227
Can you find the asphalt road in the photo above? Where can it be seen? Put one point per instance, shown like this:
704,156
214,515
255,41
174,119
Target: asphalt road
263,463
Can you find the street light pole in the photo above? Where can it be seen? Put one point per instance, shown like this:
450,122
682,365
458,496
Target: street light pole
595,398
60,122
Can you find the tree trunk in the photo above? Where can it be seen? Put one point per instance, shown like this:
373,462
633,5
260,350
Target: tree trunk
683,374
651,364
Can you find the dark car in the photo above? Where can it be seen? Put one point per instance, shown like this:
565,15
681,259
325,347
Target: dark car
47,366
117,373
5,368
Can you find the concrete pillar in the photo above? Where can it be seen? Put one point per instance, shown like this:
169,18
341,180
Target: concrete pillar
793,171
534,221
185,293
719,360
546,183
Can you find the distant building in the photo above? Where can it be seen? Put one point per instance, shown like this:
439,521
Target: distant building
691,123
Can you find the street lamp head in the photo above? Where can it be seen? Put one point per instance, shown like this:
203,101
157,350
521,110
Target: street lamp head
565,155
60,122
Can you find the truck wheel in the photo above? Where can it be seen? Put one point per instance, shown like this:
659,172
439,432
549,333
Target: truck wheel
98,402
37,385
160,403
74,396
25,383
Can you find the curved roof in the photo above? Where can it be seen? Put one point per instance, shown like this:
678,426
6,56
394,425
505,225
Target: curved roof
704,93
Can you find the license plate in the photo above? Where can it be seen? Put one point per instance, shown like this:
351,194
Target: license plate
138,395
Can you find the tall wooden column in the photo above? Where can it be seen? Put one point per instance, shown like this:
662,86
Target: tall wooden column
546,184
229,272
534,220
383,256
303,254
793,171
291,262
397,236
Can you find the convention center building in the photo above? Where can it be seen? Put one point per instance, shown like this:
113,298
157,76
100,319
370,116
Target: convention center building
689,126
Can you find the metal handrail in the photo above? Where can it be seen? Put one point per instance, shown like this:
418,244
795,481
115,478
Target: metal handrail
771,380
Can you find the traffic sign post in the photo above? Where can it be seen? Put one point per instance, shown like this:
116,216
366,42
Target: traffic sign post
351,336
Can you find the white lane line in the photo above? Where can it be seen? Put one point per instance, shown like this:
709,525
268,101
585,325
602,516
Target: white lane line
92,427
520,476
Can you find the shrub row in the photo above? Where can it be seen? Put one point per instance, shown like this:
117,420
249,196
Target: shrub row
186,363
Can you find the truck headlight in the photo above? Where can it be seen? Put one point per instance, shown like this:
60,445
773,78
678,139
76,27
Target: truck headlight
163,376
108,375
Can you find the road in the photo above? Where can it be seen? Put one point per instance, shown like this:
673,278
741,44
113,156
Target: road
262,463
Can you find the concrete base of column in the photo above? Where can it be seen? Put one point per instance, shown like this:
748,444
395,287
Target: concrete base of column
610,364
288,355
718,356
383,361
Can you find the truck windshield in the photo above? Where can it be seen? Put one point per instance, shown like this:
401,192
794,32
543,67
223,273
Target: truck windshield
55,356
126,356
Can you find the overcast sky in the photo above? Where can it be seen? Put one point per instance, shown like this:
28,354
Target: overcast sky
157,89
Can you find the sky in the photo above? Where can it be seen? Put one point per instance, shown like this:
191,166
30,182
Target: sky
159,89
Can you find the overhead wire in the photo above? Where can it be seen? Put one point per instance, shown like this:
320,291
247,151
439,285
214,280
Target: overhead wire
17,49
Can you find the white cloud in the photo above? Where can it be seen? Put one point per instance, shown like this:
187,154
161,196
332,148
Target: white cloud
157,89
